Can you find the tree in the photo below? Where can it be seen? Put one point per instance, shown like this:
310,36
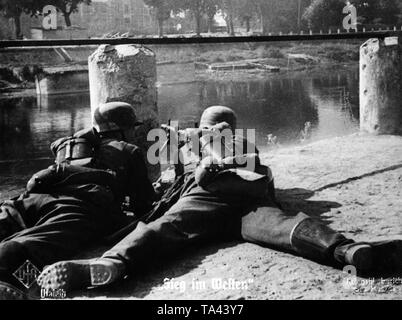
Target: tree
239,10
245,11
198,8
268,10
326,13
14,9
67,7
162,9
323,14
228,7
279,15
212,9
372,12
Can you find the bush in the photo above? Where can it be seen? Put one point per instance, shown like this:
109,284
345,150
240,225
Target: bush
337,56
274,53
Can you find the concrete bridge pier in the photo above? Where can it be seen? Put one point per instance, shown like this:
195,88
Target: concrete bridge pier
126,73
381,86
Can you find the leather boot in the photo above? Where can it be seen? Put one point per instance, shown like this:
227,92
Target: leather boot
314,240
11,292
382,258
81,274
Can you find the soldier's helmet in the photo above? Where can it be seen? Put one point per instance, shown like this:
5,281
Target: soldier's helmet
217,114
115,116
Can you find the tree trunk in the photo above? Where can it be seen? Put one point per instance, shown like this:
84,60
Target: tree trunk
299,13
67,18
231,26
264,24
247,24
198,23
17,23
210,24
266,13
160,27
229,19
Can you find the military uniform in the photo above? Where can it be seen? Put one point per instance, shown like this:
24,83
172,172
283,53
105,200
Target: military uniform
70,206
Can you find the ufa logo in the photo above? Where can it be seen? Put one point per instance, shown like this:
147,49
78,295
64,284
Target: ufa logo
27,274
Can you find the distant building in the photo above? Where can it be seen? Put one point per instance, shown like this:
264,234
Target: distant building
100,18
112,16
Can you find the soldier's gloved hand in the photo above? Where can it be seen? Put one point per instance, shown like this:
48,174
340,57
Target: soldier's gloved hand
220,126
166,179
206,171
159,190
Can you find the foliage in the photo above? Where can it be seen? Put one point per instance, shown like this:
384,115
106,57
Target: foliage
198,8
323,14
385,12
14,9
161,7
67,7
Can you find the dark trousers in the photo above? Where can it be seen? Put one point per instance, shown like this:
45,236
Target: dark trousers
199,217
58,227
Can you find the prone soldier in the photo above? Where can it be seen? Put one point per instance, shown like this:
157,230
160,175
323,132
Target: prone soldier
76,202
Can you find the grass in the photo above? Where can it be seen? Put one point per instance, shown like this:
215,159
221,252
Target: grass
336,52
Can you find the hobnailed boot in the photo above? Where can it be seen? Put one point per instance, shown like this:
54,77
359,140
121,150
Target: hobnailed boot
314,240
10,292
382,258
81,274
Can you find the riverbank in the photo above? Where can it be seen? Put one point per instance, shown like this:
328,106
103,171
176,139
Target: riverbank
354,183
18,67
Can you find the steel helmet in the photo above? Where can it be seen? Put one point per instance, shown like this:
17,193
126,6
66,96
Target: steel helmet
217,114
114,116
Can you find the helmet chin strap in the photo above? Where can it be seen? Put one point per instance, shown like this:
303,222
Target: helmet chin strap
123,135
112,133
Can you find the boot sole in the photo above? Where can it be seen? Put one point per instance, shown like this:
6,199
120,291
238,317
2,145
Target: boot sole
9,292
361,257
77,274
101,273
387,256
66,275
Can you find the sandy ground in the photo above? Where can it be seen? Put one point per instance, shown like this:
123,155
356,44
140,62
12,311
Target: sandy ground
354,183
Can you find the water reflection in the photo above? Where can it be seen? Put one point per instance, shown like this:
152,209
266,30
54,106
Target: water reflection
277,106
29,125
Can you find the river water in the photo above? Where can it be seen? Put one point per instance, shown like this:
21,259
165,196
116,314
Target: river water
278,105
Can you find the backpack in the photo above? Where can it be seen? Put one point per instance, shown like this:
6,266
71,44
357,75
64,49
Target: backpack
78,149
